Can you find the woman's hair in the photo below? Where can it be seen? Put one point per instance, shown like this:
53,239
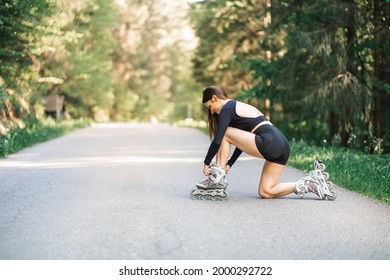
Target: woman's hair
212,118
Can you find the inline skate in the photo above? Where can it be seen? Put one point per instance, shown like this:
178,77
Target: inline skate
316,182
214,187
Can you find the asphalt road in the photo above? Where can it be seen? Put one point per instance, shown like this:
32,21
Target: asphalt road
121,191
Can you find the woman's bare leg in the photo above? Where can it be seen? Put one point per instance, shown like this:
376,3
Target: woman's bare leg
268,186
223,153
244,140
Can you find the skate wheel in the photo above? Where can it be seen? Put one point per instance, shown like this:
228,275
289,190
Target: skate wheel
218,198
219,195
332,197
318,164
329,184
326,175
195,194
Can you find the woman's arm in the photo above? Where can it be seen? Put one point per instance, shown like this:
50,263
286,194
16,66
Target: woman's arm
237,152
224,118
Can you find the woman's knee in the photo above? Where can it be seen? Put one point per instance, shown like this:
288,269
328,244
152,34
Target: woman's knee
265,194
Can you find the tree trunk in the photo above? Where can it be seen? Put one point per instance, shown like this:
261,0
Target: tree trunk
348,121
333,126
377,121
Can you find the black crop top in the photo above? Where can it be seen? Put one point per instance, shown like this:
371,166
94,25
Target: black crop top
228,117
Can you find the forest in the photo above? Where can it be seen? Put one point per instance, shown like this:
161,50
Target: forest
318,69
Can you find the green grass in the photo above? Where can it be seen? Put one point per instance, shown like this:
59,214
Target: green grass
36,132
363,173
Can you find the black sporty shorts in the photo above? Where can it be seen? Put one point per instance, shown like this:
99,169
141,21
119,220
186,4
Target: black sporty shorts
272,144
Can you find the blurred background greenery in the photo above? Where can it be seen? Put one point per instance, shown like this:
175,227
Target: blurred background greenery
318,69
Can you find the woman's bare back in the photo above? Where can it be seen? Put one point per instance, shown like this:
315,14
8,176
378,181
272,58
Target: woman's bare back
247,111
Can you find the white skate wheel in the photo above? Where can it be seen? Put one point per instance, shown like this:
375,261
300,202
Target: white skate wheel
332,197
326,175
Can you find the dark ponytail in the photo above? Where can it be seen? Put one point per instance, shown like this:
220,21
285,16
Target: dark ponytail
212,118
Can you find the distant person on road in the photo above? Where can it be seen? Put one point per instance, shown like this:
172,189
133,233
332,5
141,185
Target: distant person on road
236,123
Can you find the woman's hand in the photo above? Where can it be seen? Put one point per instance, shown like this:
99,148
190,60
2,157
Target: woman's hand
206,171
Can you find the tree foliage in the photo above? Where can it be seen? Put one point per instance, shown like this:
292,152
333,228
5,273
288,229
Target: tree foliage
320,68
153,58
113,59
20,27
76,59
